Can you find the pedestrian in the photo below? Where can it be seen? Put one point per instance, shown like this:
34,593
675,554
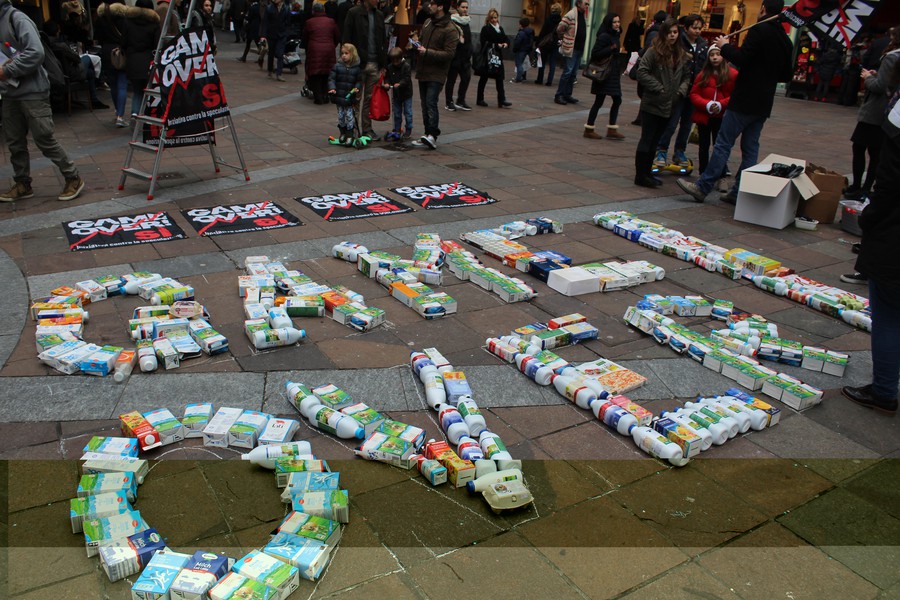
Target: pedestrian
320,36
173,26
76,68
632,41
664,73
827,63
208,23
651,34
573,31
606,46
398,80
141,29
25,89
493,40
108,30
709,96
523,44
548,45
236,14
364,28
763,61
435,50
253,16
344,86
461,65
880,224
274,30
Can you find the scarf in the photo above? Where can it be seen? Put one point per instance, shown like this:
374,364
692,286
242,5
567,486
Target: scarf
460,20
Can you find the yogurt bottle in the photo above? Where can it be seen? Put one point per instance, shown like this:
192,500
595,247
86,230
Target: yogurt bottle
471,415
657,446
452,423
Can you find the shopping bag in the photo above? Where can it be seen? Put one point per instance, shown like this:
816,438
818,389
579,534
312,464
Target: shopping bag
380,106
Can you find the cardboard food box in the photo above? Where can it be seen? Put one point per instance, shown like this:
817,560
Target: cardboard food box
126,559
308,556
823,207
269,571
772,201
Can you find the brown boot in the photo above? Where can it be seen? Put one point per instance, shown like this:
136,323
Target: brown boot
612,132
591,134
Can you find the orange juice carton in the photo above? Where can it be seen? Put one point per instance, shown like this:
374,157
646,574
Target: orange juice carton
107,531
120,446
166,353
130,555
459,471
75,314
406,292
329,504
199,575
558,322
75,327
278,431
73,300
310,557
333,299
96,507
688,440
65,290
169,428
407,433
332,396
94,484
387,448
325,531
283,577
237,587
245,431
196,418
135,425
643,416
159,575
216,431
102,361
94,290
284,466
366,416
94,462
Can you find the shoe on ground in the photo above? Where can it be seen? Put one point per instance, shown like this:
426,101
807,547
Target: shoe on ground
559,100
658,181
571,100
429,141
549,83
691,189
728,197
661,160
647,182
241,59
612,133
19,191
538,82
855,248
481,103
854,194
864,397
407,134
462,106
504,104
280,79
97,104
121,122
450,106
590,134
680,159
372,136
72,189
857,278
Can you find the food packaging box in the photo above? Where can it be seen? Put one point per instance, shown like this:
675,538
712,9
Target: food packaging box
278,431
573,281
166,425
196,418
94,462
332,504
96,507
387,448
551,338
158,576
813,358
310,557
322,530
681,435
237,587
801,396
95,291
135,425
332,396
129,557
772,201
93,484
166,353
101,362
579,332
120,446
244,432
310,481
108,530
640,413
209,340
216,431
407,433
367,417
459,471
456,386
199,575
835,363
269,571
52,356
284,466
564,320
823,207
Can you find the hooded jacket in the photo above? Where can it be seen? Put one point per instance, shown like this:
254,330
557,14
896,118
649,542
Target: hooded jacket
26,65
141,30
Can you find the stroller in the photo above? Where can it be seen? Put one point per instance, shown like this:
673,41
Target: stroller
291,58
358,141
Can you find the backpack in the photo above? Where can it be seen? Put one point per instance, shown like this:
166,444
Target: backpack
51,64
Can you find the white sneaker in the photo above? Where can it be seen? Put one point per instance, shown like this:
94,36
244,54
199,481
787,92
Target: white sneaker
429,141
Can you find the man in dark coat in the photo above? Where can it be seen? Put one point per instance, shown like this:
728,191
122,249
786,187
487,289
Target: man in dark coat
461,65
364,28
236,14
436,49
764,60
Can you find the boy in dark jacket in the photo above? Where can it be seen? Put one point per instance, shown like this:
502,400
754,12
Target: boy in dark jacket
522,47
344,84
398,79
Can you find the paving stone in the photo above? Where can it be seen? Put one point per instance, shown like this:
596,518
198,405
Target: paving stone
803,437
701,281
72,570
17,435
772,563
236,487
806,319
588,441
533,424
503,385
879,486
185,510
61,397
857,423
238,390
684,581
388,586
37,483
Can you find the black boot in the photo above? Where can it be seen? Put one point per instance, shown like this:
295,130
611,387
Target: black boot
642,172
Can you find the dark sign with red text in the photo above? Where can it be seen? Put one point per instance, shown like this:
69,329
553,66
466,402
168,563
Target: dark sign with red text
112,232
840,20
356,205
444,195
239,218
190,93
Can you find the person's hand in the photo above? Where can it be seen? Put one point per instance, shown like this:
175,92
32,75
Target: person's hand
421,49
332,91
867,73
2,73
722,40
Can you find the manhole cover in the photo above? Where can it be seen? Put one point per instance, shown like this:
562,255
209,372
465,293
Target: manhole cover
461,166
171,175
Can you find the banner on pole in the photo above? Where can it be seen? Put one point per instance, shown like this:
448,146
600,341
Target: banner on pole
239,218
356,205
838,20
112,232
190,92
444,195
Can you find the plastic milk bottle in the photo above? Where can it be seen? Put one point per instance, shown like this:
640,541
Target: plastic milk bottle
656,445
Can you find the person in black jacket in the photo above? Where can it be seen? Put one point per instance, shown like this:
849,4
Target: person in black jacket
607,46
274,30
493,39
139,42
343,87
763,61
632,41
253,15
461,65
548,44
364,28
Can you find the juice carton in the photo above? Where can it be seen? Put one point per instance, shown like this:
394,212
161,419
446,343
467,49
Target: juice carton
94,462
37,307
579,332
459,471
134,424
96,507
127,558
285,466
196,418
386,448
101,362
245,431
407,433
366,319
310,557
813,358
326,531
158,576
108,530
307,481
773,413
801,397
237,587
332,396
112,445
304,306
551,338
333,504
169,428
456,386
104,483
216,431
95,291
278,431
200,574
640,413
166,353
688,440
366,416
209,340
269,571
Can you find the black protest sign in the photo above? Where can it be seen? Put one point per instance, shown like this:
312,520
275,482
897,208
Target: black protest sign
112,232
190,92
840,20
239,218
444,195
356,205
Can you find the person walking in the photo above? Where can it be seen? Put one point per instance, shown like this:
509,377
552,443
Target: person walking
461,65
493,40
573,31
709,96
606,46
665,76
141,29
763,60
108,30
523,44
364,28
253,16
436,49
25,89
320,36
236,14
548,45
273,31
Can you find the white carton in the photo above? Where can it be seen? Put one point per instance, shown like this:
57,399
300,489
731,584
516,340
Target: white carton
196,418
131,555
95,462
244,432
772,201
309,556
268,570
573,281
216,431
167,426
158,576
108,530
278,431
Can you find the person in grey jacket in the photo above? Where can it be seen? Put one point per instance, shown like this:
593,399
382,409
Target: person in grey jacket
25,89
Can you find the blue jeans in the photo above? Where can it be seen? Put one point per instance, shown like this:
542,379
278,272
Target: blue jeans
885,341
521,57
429,91
401,108
734,124
118,89
549,56
567,79
681,118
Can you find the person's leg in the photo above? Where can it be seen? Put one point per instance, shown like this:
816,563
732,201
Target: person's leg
423,101
669,131
40,123
451,83
749,148
118,89
885,345
501,92
540,72
595,109
243,57
465,76
732,126
408,111
482,82
684,126
520,69
552,58
705,137
279,57
15,129
432,97
270,58
573,73
397,110
370,78
652,127
859,165
562,89
137,97
90,77
874,158
614,110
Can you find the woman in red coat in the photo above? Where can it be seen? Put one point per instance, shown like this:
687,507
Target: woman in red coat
710,95
320,38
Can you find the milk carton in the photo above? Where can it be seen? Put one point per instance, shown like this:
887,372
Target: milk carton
459,471
285,466
456,386
333,504
309,556
269,571
199,575
407,433
93,484
101,362
196,418
278,431
322,530
367,417
835,363
169,428
387,448
332,396
237,587
308,481
113,445
95,291
125,559
216,431
94,462
244,432
96,507
209,340
107,531
51,357
158,576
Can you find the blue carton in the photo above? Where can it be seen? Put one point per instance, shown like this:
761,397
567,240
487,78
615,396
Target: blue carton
156,580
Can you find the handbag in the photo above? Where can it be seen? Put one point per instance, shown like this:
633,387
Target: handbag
494,62
380,105
598,71
117,58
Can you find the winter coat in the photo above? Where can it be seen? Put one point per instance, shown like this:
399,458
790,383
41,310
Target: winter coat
524,41
141,31
356,32
109,30
162,7
26,67
607,45
696,53
877,89
663,85
253,19
440,38
401,74
465,47
320,37
880,220
701,96
490,37
763,61
274,27
548,38
568,29
828,62
342,79
633,35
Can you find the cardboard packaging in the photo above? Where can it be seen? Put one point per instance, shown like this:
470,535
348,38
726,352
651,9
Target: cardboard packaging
216,431
308,556
123,560
199,575
96,507
244,432
94,462
269,571
157,578
823,207
107,531
284,466
113,445
94,484
772,201
196,418
237,587
326,531
166,425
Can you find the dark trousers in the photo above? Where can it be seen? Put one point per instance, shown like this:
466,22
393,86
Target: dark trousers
859,164
464,72
885,340
549,56
482,82
429,91
613,110
707,135
318,85
276,56
652,127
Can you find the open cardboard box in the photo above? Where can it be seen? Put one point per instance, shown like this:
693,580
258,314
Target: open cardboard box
772,201
823,207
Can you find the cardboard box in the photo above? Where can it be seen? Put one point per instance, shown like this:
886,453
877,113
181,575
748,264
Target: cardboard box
158,576
270,571
199,575
308,556
823,207
123,560
772,201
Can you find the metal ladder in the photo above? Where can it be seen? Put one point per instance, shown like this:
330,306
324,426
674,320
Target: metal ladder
152,91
